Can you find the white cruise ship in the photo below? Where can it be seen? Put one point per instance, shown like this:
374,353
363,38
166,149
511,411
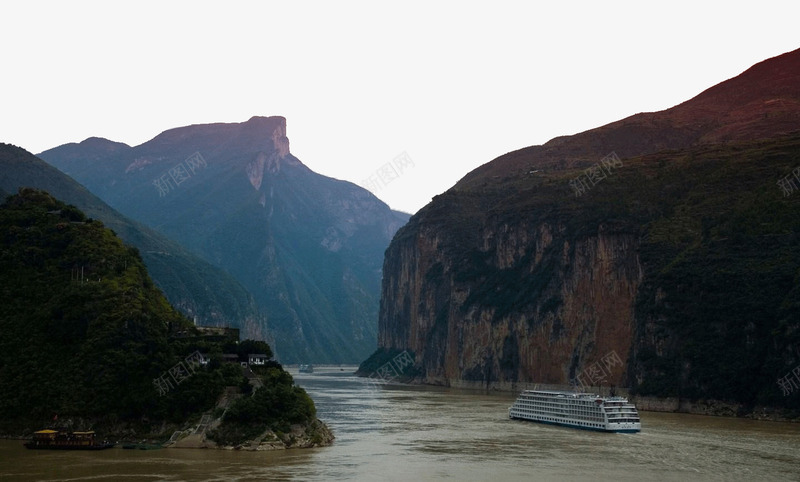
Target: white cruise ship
580,410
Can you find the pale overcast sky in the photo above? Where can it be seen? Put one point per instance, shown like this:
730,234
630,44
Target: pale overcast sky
451,84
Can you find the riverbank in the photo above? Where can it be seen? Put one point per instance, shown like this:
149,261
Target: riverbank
192,434
314,434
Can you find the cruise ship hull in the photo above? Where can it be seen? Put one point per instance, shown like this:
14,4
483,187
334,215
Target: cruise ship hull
633,429
577,410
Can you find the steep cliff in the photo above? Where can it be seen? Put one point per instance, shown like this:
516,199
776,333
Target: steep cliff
534,303
646,253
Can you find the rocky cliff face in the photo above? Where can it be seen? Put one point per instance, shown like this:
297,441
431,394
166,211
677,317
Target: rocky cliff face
665,274
540,306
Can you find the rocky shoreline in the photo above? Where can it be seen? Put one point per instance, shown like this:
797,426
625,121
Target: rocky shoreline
315,434
716,408
193,435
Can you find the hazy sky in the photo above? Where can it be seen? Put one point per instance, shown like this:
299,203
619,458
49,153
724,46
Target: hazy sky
451,84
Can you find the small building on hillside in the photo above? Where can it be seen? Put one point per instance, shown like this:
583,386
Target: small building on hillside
257,359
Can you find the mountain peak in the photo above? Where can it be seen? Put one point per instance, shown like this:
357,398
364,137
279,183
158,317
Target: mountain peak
76,155
102,143
263,120
761,102
256,134
771,78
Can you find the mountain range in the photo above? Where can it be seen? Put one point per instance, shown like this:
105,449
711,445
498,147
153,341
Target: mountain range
308,248
659,252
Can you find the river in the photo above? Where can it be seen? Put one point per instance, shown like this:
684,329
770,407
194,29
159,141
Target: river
413,433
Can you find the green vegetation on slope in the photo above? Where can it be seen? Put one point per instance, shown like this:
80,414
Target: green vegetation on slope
85,332
79,315
275,406
191,285
717,312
